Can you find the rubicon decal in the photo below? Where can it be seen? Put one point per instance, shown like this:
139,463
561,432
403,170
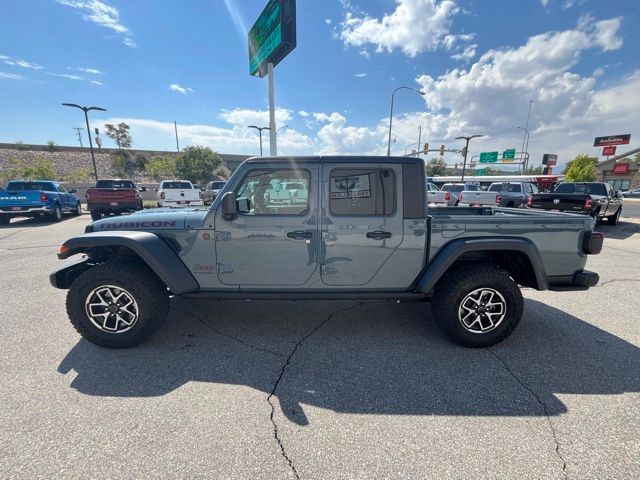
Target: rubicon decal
125,225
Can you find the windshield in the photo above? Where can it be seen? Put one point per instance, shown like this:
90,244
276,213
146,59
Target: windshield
217,185
452,188
505,187
582,188
176,186
115,184
294,186
30,186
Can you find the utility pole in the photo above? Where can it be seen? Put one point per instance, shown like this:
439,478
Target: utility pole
420,92
466,151
525,137
175,126
78,130
260,129
273,138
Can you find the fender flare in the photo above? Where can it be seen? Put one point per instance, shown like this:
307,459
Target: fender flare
450,252
153,251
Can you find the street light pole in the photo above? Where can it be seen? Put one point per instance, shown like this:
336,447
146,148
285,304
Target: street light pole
391,113
86,119
260,129
278,131
466,151
525,150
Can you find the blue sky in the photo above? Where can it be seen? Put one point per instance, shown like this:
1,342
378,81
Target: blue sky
480,62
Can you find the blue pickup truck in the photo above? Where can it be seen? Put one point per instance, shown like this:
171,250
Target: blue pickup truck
37,198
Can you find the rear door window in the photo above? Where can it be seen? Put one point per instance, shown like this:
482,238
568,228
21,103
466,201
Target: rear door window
362,192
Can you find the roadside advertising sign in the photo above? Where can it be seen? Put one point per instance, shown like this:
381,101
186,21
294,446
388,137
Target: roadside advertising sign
549,159
273,36
612,140
622,168
608,151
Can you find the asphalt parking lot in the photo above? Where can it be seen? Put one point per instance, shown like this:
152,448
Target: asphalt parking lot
319,390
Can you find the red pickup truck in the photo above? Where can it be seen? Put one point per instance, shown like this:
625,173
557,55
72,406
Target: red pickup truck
114,197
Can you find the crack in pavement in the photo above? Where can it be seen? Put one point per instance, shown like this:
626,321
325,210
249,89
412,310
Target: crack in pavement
617,280
12,234
27,248
281,376
226,335
541,403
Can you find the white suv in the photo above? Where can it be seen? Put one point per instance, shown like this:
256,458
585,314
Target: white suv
178,193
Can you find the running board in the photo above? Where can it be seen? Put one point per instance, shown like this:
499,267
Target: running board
390,296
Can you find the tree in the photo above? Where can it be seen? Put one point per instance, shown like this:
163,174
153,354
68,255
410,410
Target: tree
51,146
435,167
197,164
119,134
161,167
40,169
581,169
80,175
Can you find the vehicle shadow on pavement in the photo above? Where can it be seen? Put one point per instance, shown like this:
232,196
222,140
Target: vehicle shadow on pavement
621,231
371,358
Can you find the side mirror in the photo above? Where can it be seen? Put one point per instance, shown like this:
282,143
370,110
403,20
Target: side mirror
143,189
229,206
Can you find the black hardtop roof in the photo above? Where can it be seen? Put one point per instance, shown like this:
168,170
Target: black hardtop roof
334,159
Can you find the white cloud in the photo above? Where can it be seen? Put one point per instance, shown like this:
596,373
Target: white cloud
605,34
174,87
243,116
65,75
102,14
414,26
4,57
11,76
466,55
302,113
365,53
93,71
336,137
327,21
360,75
23,64
96,82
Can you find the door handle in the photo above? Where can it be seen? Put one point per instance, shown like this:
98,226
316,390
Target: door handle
299,235
379,235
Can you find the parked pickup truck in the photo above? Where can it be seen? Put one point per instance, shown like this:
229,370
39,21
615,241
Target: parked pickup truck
37,198
449,195
596,199
500,194
212,190
178,194
364,233
114,197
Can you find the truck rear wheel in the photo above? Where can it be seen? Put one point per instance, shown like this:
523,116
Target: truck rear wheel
95,216
613,219
117,304
478,305
56,216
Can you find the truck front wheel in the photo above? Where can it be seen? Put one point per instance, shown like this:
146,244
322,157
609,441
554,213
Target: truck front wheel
478,305
117,304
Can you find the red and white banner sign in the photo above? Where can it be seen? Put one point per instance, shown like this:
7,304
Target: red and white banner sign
621,168
608,151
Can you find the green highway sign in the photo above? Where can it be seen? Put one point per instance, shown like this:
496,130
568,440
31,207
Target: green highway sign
509,154
481,172
273,36
488,157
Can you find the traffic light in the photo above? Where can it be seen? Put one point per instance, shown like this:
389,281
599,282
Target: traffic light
426,148
442,150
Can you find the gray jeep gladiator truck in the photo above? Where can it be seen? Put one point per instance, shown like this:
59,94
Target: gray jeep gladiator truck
363,232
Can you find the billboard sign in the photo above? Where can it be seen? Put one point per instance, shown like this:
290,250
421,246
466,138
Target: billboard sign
273,36
549,159
608,151
612,140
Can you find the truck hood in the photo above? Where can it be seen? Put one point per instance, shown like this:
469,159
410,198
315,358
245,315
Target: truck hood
153,220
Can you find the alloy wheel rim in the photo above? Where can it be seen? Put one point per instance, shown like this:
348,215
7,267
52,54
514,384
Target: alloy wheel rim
482,310
111,309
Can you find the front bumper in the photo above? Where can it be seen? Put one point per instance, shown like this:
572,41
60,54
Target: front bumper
582,280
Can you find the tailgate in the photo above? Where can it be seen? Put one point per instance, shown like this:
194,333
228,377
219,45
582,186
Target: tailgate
186,195
567,202
21,198
103,195
478,198
437,197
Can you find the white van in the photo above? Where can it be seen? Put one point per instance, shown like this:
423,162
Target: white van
178,193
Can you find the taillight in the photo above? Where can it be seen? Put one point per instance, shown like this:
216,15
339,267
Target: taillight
43,197
498,199
529,201
447,196
592,243
161,195
588,203
460,198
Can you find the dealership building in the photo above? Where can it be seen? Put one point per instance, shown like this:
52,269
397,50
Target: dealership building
621,172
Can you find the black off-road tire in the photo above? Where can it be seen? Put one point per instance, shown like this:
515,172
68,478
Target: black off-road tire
5,219
613,219
452,290
95,216
140,282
